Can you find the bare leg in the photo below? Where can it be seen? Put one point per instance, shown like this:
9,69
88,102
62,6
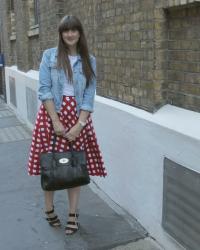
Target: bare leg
73,197
48,195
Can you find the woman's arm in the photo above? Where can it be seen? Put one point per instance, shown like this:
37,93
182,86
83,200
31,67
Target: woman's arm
83,115
57,125
50,107
45,94
89,92
45,84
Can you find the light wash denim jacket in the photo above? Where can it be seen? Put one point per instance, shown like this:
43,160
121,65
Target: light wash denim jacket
52,79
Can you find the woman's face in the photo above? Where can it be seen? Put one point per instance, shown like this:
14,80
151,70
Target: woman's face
71,37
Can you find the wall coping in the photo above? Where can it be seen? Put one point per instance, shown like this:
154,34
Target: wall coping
177,119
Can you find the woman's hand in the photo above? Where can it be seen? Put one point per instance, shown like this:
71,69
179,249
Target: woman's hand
58,127
73,133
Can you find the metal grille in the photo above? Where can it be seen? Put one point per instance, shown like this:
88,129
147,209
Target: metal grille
181,204
31,100
12,91
36,16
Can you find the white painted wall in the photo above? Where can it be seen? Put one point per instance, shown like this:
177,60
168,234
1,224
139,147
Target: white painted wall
133,143
22,80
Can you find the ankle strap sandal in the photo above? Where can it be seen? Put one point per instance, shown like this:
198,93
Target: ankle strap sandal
74,223
53,221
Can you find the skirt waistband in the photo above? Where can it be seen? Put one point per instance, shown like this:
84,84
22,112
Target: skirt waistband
68,97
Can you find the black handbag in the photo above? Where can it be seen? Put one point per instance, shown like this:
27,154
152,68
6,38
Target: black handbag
62,170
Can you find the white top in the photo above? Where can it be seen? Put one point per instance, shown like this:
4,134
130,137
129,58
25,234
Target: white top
68,87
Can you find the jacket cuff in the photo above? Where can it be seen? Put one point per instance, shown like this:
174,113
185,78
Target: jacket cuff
86,108
46,96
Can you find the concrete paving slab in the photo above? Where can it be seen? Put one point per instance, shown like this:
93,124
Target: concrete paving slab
146,244
5,113
9,121
3,105
13,133
22,201
23,225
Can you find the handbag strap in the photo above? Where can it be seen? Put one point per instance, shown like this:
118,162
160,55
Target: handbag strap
54,143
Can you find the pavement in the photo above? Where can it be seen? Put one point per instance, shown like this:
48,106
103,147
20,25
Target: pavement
104,224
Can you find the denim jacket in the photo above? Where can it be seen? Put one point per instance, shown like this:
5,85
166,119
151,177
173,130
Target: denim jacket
51,82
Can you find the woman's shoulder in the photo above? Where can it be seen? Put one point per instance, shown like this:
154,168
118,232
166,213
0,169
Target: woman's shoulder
50,50
49,53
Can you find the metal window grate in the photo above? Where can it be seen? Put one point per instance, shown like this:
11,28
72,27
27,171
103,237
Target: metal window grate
12,5
36,11
31,100
12,91
181,204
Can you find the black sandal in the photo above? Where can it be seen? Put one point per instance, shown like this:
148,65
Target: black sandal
54,221
73,229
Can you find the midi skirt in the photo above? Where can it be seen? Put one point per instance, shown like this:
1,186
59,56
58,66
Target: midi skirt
43,134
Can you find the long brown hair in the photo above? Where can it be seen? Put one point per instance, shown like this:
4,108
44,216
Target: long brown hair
73,23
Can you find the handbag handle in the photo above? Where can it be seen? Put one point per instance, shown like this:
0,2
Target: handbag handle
54,142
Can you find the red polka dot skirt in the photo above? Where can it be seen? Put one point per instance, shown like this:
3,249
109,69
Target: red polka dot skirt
43,134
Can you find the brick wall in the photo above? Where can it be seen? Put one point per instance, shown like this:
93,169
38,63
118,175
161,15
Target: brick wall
138,44
124,52
52,11
184,57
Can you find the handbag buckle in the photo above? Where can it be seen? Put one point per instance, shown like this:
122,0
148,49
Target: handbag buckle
63,160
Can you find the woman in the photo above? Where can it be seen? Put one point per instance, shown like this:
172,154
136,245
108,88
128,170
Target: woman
67,84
